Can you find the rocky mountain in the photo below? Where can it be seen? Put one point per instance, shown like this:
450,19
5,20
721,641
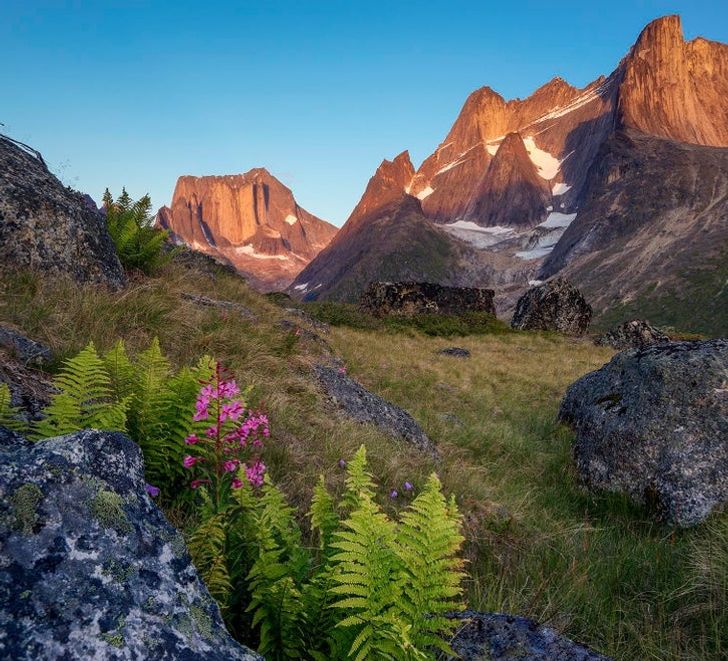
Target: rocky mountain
525,188
251,221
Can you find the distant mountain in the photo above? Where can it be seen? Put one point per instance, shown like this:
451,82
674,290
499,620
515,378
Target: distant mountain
521,189
250,221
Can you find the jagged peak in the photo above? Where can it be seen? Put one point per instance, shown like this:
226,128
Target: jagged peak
555,84
665,28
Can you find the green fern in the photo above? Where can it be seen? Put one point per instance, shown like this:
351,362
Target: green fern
121,370
10,416
367,577
139,244
84,399
324,519
428,542
207,549
359,481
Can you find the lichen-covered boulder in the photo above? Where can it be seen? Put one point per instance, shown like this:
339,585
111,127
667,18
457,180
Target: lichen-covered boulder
500,637
357,402
89,566
555,305
653,423
47,227
411,298
633,334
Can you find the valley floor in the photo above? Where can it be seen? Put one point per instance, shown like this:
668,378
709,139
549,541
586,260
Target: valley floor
594,567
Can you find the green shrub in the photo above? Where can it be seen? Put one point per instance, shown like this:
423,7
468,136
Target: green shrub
139,244
435,325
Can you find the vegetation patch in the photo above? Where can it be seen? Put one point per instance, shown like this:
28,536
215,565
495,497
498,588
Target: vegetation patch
24,505
108,508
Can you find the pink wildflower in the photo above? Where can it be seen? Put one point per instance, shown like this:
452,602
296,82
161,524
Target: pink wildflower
197,483
229,389
231,411
237,483
192,439
189,461
230,466
255,473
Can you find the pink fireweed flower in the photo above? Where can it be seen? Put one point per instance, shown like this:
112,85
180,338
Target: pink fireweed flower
201,412
211,432
189,461
195,484
237,483
231,465
192,439
255,473
231,411
229,389
342,370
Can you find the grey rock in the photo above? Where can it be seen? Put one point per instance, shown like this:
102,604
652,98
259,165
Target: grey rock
364,406
633,334
25,350
653,423
49,228
555,305
320,326
244,312
30,389
455,352
89,566
500,637
410,298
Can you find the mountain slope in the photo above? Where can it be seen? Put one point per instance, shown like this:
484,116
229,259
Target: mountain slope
250,221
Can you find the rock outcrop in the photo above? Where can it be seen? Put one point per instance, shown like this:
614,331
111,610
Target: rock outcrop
364,406
25,350
500,637
633,334
89,566
48,228
250,221
653,423
555,305
412,298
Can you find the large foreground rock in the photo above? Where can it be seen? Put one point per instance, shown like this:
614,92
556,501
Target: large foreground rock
410,298
633,334
364,406
89,566
653,423
49,228
555,305
499,637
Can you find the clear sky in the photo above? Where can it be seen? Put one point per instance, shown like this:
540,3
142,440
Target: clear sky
137,93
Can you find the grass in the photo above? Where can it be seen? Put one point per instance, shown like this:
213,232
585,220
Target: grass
593,566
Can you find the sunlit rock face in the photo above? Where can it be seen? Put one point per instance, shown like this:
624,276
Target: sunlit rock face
251,221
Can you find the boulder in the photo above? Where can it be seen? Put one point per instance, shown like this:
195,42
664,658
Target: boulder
653,423
411,298
634,334
455,352
500,637
25,350
555,305
89,566
364,406
47,227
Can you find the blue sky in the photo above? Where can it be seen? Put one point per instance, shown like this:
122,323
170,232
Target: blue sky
137,93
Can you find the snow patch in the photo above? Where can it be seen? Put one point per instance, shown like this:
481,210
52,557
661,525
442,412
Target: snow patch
478,236
535,253
492,148
474,227
546,165
558,219
450,166
301,287
578,102
425,192
560,189
291,219
248,249
535,283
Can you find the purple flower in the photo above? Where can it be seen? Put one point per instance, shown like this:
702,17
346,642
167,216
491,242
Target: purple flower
408,486
393,493
237,483
230,466
233,410
342,463
192,439
189,461
255,473
152,490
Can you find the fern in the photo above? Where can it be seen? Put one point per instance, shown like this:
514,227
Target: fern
359,481
324,519
84,399
138,243
10,416
121,370
428,541
367,578
207,549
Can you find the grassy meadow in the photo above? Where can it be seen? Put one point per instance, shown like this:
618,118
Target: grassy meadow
592,566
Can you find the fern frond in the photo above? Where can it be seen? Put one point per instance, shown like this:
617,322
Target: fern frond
120,369
324,519
10,416
83,399
207,548
359,481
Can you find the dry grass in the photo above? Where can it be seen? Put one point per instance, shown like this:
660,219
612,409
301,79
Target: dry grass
593,566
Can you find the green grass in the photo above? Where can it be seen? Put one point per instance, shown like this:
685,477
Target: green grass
593,566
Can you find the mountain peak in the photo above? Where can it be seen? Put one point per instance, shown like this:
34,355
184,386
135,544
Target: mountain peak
664,30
